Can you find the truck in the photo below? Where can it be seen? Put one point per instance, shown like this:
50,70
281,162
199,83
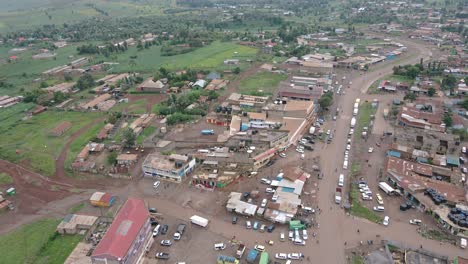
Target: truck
386,188
338,195
198,220
240,251
463,242
180,231
207,132
353,122
252,256
355,111
312,130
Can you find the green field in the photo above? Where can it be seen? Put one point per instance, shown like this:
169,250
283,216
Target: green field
363,119
263,83
25,14
28,141
5,179
146,133
208,57
136,107
37,243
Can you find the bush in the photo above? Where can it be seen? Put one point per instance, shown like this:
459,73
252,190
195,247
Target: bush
178,118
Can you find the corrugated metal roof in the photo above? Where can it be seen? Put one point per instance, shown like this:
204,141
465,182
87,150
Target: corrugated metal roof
394,153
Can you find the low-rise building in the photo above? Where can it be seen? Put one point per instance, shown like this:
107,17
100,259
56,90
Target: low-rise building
127,159
423,119
149,85
236,205
61,128
128,237
75,223
173,167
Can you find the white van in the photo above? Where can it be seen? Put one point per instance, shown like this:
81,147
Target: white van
341,180
308,209
203,151
219,246
379,208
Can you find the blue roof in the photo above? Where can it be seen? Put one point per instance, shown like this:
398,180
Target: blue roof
422,160
393,153
453,160
287,189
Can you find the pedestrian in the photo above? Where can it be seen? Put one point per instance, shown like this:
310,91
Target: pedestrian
358,231
345,243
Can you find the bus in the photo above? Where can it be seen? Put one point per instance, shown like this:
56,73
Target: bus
263,258
386,188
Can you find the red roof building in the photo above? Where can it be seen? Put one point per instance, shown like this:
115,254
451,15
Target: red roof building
128,237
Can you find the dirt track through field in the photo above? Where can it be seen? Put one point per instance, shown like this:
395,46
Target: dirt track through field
60,161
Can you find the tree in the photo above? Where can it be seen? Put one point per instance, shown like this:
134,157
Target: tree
465,104
85,81
129,138
449,82
410,96
326,100
43,84
68,78
448,119
431,91
112,158
236,70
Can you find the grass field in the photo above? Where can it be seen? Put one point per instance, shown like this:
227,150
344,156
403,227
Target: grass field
36,243
5,179
356,259
25,14
208,57
146,133
363,119
28,140
264,83
136,107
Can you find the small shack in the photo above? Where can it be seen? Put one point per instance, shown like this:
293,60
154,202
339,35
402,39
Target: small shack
73,224
101,199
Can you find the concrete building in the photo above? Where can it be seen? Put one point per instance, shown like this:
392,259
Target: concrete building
173,167
128,237
152,86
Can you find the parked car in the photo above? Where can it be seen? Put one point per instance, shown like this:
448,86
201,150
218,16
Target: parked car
269,190
265,181
259,248
275,198
379,208
156,184
234,220
370,150
164,229
291,235
166,243
152,210
283,155
264,203
248,224
304,234
281,256
255,225
300,150
415,221
379,199
386,220
295,255
270,228
162,255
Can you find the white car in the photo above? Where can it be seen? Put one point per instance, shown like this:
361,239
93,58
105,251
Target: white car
303,141
415,221
386,220
371,150
363,185
283,155
304,235
302,156
334,118
281,256
264,203
349,141
351,131
379,208
346,152
328,132
269,190
156,184
366,197
300,150
265,181
295,255
166,243
348,147
260,248
275,198
291,235
379,199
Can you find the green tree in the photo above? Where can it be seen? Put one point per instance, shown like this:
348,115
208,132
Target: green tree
43,84
85,81
410,96
236,70
431,91
129,138
112,158
465,103
449,82
326,100
448,119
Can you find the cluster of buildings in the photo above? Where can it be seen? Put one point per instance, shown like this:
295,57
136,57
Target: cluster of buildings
289,186
83,162
72,69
